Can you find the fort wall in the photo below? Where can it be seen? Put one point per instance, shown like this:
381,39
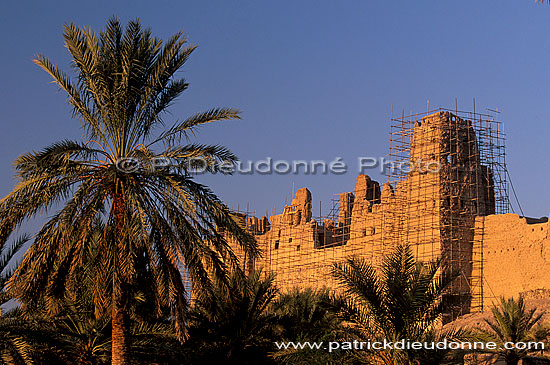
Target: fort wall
448,213
516,256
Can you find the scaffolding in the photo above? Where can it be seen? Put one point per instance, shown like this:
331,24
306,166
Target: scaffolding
455,171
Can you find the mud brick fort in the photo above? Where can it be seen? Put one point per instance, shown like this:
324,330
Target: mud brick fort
459,211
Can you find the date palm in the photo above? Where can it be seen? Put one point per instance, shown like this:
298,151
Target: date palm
125,81
403,300
512,322
69,330
309,315
235,327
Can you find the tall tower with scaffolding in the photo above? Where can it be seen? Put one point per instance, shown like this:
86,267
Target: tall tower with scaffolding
456,173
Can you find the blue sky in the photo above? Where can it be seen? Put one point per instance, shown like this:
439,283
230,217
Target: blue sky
314,79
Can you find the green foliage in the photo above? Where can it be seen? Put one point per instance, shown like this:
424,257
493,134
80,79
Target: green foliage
13,346
402,300
309,316
513,322
234,324
71,330
7,266
305,313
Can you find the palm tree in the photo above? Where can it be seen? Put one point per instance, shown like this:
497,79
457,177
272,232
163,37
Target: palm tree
74,335
512,322
148,199
402,301
76,332
304,313
235,326
309,315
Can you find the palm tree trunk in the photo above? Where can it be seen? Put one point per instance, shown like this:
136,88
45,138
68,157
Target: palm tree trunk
120,329
120,333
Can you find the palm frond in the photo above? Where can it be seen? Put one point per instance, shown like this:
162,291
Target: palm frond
187,128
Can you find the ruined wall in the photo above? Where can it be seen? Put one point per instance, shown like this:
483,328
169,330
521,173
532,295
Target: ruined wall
301,251
516,256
